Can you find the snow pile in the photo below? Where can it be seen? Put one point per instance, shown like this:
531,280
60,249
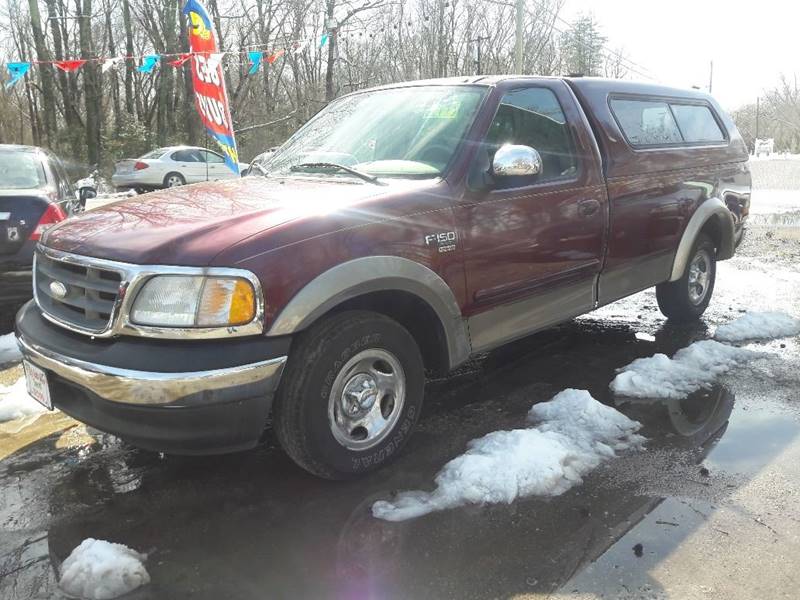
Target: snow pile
16,403
759,326
692,368
574,435
9,351
98,570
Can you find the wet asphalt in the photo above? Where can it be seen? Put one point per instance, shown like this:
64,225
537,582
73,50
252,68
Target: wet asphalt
710,509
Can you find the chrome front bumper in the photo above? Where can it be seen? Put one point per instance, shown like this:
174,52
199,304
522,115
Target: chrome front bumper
145,388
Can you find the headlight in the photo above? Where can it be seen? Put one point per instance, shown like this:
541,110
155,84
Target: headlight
194,301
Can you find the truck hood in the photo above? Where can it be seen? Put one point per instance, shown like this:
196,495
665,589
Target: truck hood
190,225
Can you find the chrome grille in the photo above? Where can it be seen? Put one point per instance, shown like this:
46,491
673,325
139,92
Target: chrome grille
91,291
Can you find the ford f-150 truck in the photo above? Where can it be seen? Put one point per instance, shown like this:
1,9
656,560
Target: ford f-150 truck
400,231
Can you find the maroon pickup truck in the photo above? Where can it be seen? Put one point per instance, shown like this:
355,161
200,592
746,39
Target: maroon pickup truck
400,231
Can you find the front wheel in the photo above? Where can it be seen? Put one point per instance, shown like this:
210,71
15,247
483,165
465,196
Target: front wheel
688,297
350,396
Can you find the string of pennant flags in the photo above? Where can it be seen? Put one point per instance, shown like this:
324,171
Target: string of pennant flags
148,62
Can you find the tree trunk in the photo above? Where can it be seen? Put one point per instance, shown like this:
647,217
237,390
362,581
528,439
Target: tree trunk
45,72
113,75
165,118
191,124
69,93
91,85
126,19
329,92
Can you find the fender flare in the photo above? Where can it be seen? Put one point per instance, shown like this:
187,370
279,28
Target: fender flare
372,274
711,208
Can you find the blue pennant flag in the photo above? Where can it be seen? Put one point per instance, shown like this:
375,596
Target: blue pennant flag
149,63
17,71
323,40
255,57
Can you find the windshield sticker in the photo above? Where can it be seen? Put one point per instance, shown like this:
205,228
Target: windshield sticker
447,108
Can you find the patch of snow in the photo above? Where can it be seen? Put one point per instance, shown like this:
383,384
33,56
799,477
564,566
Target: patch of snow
776,156
575,433
759,326
9,351
100,570
768,202
16,403
690,369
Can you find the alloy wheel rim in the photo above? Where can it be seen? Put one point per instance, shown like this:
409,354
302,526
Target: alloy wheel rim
173,181
699,276
366,399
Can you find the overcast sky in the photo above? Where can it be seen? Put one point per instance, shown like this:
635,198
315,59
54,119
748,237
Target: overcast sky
751,43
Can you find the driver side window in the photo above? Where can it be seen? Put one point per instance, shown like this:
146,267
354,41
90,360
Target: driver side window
213,158
533,117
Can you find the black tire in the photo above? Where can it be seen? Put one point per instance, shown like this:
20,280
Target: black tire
176,176
302,416
675,299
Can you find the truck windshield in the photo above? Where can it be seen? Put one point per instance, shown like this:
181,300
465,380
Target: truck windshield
20,170
408,132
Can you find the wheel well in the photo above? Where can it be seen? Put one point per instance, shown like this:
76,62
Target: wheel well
415,315
713,229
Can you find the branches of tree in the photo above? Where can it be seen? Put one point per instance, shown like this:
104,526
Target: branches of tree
776,115
98,117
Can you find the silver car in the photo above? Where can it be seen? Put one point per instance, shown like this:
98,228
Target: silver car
171,167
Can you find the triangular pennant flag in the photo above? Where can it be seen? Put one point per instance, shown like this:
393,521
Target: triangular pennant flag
182,58
323,40
255,57
213,60
275,56
300,46
17,71
111,63
69,65
149,63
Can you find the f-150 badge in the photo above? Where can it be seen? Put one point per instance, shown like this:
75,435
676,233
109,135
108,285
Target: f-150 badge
445,240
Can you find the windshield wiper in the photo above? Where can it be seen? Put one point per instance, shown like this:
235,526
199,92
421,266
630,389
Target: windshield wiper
329,165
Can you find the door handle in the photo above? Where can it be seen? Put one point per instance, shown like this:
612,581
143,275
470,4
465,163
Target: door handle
587,208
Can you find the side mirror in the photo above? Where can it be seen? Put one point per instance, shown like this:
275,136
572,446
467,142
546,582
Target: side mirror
86,193
515,161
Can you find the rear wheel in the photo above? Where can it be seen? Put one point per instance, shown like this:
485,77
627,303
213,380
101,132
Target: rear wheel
350,396
688,297
174,180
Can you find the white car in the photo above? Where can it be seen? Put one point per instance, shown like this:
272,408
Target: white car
171,167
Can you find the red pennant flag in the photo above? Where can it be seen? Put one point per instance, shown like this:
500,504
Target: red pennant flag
69,65
275,56
182,58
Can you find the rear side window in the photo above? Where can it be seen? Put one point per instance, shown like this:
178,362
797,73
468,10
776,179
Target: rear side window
155,153
646,122
697,123
663,123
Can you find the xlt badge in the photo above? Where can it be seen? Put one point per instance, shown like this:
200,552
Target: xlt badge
445,240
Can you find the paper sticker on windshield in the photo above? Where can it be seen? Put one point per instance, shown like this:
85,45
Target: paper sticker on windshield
446,108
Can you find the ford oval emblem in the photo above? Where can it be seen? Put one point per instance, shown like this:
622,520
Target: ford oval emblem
58,289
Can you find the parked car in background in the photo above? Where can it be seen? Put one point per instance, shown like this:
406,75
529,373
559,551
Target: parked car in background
35,193
401,231
171,167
